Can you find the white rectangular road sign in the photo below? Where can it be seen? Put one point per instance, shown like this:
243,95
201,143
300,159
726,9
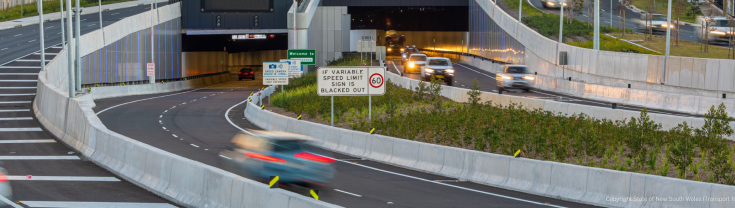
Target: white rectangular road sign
275,73
350,81
294,67
150,69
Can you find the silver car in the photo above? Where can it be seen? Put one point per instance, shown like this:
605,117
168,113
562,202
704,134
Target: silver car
268,153
514,77
439,68
415,62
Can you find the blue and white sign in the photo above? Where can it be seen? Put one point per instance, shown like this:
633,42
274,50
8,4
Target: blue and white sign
295,69
275,73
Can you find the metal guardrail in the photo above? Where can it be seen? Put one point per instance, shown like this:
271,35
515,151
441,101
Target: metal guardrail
464,54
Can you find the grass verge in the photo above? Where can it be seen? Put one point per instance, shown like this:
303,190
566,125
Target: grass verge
684,49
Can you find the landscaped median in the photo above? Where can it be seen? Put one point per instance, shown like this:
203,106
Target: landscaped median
635,144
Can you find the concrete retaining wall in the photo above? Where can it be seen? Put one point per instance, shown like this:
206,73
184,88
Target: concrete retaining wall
588,185
186,182
701,81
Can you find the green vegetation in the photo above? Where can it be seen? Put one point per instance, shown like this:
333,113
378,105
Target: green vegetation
634,144
30,10
687,12
612,44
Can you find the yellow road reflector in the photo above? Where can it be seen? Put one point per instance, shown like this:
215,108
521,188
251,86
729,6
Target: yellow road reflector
262,106
184,79
298,118
315,194
90,89
123,84
274,181
251,93
372,130
98,85
163,82
261,89
250,100
517,153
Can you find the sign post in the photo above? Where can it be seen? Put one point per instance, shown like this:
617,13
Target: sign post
275,73
350,81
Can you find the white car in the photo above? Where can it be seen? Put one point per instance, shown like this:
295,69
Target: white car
719,30
439,68
414,63
514,77
553,4
658,24
5,189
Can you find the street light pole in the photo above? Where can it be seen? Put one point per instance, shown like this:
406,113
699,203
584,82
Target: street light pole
561,22
69,52
668,37
76,51
39,6
63,39
152,79
520,9
597,25
100,6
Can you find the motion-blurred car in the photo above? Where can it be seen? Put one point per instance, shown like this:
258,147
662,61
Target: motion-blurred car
657,24
246,73
719,30
5,189
415,62
266,153
407,53
553,4
514,77
439,68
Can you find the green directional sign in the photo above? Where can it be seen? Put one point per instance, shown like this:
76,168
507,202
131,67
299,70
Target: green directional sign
307,56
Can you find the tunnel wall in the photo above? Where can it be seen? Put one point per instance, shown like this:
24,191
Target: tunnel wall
196,63
253,59
487,39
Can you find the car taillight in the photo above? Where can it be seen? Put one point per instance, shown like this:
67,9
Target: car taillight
264,157
3,178
239,72
313,157
251,72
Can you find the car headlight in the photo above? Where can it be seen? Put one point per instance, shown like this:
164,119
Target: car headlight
550,3
565,4
411,65
528,78
716,32
451,71
402,50
429,70
404,55
665,25
390,49
506,77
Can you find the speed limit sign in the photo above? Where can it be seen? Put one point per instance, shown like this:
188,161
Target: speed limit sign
350,81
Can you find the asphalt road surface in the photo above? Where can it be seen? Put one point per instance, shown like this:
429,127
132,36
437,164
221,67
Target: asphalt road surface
193,124
43,171
466,74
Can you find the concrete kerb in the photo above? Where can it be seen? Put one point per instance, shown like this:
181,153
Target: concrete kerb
405,152
187,181
431,158
530,176
213,195
568,182
489,169
381,148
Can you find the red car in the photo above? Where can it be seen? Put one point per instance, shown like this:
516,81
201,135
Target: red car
246,74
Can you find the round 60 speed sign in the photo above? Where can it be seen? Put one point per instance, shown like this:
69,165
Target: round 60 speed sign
376,80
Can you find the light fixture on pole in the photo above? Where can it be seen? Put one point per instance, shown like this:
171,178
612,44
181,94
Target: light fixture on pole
63,39
597,25
70,50
668,38
77,63
561,22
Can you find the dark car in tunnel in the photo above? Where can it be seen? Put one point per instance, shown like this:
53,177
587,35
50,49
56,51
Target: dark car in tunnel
246,73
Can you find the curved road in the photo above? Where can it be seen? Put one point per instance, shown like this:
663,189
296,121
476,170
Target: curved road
193,124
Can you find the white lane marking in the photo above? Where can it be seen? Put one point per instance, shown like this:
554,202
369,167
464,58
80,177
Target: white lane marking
395,67
476,71
195,145
14,102
19,129
3,49
164,128
18,80
17,35
70,204
175,135
444,184
7,201
225,157
32,60
16,88
18,74
385,171
48,54
27,141
165,111
56,47
115,13
49,27
91,25
20,67
39,158
357,195
32,40
82,20
25,94
15,110
62,178
135,101
16,119
161,116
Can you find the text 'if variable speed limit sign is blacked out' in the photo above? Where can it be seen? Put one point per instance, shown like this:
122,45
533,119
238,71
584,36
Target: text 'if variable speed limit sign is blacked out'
350,81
